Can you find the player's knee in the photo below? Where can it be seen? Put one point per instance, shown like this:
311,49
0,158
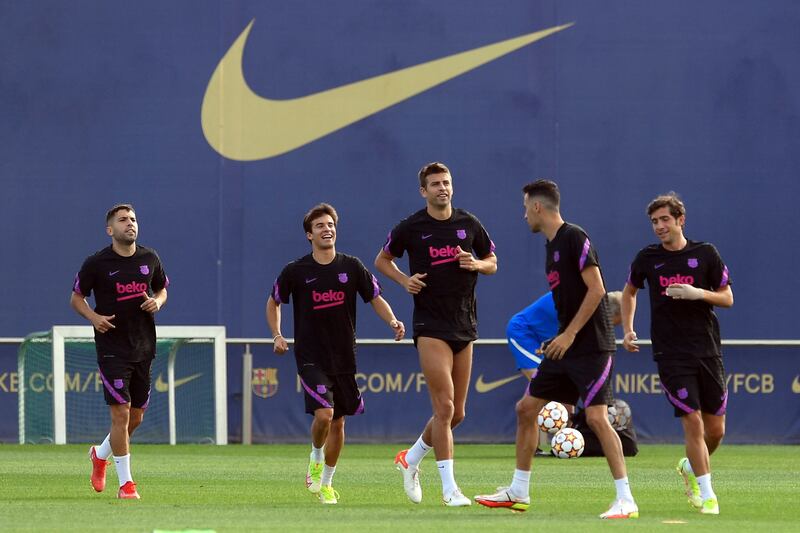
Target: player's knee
337,424
444,411
715,433
458,417
135,418
525,410
120,415
324,416
597,421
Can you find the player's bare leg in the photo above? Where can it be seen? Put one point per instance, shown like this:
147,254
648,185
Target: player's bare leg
597,419
320,431
714,431
437,362
697,473
120,447
516,496
333,447
527,430
335,441
624,505
694,437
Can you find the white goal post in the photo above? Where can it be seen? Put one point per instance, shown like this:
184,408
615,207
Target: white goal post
217,333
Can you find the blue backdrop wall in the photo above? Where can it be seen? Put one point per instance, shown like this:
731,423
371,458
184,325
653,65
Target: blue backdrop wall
101,103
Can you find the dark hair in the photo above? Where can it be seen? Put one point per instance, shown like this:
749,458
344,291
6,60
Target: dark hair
431,168
670,200
119,207
546,190
316,212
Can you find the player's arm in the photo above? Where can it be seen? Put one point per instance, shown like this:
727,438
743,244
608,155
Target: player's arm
156,302
467,261
595,290
81,306
628,309
385,264
279,344
384,310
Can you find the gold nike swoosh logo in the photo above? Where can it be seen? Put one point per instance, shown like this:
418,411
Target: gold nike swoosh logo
243,126
796,385
163,386
482,386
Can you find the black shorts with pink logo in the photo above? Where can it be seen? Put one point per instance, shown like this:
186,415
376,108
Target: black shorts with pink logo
338,391
694,384
125,381
565,380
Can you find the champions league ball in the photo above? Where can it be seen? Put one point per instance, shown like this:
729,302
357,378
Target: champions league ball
567,443
552,417
619,415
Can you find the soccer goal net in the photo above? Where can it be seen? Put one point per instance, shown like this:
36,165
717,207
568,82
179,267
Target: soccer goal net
61,393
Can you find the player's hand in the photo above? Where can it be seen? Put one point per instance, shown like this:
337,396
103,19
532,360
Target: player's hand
399,329
279,345
559,346
414,283
151,305
103,323
466,260
629,342
684,291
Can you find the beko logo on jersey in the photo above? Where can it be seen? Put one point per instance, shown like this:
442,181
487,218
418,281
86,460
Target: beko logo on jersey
327,298
448,252
131,290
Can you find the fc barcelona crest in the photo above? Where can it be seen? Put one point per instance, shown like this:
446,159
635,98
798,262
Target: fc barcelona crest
693,262
461,234
342,277
144,269
265,382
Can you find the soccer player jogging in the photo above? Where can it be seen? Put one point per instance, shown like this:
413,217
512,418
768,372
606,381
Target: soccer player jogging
324,285
578,360
686,280
129,286
447,249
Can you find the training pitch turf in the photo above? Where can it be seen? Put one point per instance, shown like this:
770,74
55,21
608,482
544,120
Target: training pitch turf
261,488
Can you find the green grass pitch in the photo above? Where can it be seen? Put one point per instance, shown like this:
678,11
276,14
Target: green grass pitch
261,488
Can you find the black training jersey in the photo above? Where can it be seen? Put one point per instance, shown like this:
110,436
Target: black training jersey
681,328
119,285
446,307
325,309
568,254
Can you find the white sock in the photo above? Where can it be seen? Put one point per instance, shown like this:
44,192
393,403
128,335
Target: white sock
623,489
104,450
123,463
706,491
520,483
327,474
688,468
417,452
317,455
446,473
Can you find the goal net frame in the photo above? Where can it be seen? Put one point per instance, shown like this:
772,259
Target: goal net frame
185,333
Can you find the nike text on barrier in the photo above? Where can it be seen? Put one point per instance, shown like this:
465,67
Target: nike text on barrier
243,126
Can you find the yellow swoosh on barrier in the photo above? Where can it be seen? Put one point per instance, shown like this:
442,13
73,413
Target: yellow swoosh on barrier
482,386
241,125
163,386
796,385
